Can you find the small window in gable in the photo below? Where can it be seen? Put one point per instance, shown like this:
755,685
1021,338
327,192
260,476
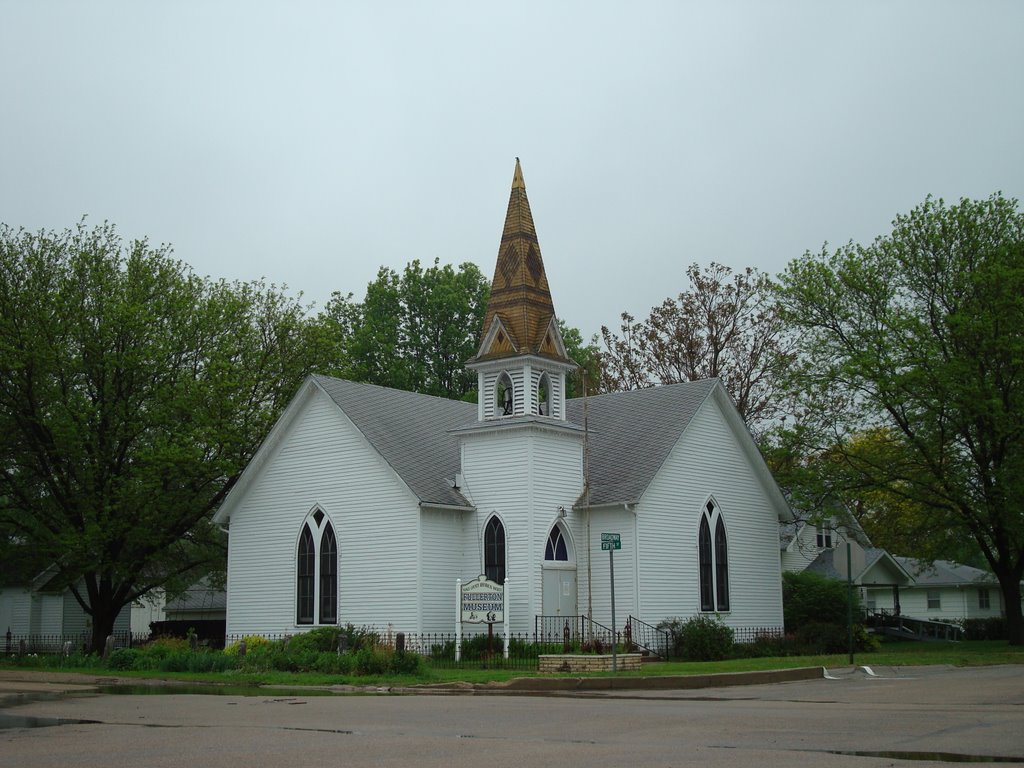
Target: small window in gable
504,396
556,549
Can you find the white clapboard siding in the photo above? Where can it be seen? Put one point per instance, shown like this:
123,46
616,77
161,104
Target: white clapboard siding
442,550
610,520
523,476
802,550
323,460
15,610
708,462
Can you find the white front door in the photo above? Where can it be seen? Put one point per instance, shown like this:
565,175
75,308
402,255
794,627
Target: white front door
560,592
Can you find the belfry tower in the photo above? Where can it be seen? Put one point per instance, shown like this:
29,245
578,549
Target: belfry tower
521,364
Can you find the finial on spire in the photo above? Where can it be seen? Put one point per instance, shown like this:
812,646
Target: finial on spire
517,177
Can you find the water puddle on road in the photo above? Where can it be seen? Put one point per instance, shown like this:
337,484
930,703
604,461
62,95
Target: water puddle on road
937,757
20,721
218,690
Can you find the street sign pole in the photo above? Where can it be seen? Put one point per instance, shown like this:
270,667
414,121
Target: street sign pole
611,542
611,573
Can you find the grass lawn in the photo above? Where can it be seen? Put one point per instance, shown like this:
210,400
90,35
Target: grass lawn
901,654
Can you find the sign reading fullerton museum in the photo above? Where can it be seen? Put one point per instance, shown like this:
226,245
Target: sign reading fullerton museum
483,601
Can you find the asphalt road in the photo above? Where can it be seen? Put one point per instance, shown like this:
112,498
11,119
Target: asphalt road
896,716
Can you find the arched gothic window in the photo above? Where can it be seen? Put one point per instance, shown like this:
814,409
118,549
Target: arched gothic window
713,560
556,548
544,396
328,576
317,572
504,396
307,570
494,550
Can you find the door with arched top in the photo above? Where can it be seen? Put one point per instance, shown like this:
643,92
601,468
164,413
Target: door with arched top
559,574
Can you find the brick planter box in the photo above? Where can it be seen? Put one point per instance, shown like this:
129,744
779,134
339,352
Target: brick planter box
567,662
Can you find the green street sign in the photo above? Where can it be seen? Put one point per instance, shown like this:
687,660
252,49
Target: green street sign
610,541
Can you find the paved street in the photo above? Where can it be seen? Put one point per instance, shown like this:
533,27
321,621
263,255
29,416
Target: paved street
810,723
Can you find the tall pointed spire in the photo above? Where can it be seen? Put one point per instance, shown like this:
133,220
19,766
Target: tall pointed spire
520,298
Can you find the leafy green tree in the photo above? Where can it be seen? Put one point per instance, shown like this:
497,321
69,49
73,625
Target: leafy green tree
587,356
412,331
810,598
132,395
725,325
920,338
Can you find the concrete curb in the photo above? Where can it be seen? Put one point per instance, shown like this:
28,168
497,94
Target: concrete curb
659,683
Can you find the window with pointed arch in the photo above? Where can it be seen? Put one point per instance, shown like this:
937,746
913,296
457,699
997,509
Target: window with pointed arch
317,572
504,396
556,549
544,395
713,560
494,550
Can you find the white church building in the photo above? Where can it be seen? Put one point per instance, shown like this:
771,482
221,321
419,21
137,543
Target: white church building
365,504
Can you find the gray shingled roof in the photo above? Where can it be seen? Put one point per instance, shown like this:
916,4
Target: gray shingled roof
631,434
825,564
943,572
201,596
410,431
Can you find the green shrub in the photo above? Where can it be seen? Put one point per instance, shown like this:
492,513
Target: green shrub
475,648
319,640
766,645
821,637
699,638
334,663
251,643
124,658
162,647
992,628
810,598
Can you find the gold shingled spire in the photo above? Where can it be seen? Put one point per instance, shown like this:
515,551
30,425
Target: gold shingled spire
519,291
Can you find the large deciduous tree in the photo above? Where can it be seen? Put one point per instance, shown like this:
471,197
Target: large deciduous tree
918,339
132,395
412,331
724,325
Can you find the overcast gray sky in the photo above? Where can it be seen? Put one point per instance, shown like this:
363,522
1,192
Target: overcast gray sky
311,143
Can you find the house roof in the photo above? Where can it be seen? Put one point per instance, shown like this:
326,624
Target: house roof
944,572
419,437
410,431
201,596
825,564
631,434
520,298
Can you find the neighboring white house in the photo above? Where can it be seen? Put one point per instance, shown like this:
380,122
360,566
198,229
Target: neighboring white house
146,610
40,609
365,504
938,591
943,590
202,601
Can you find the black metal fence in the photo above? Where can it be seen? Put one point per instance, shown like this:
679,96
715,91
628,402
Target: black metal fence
55,644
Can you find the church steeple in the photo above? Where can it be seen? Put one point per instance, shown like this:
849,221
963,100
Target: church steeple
521,363
520,317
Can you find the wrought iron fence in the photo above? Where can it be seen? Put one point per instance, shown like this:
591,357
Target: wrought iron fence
647,637
19,644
